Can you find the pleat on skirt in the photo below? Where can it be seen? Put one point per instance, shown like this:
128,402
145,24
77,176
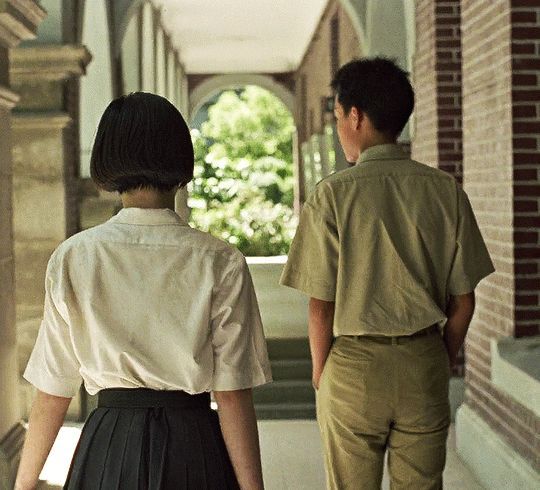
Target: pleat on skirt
141,439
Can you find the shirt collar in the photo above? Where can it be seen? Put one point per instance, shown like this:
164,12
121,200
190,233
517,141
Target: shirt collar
382,152
147,216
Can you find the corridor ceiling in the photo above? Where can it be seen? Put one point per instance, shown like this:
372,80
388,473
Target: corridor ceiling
241,36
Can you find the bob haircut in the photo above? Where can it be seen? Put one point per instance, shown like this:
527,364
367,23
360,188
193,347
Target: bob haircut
142,141
378,87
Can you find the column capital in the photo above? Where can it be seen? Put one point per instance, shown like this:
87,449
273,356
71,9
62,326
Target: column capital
48,62
19,20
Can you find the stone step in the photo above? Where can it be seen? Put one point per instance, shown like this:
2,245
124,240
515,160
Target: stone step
284,392
284,411
291,369
296,348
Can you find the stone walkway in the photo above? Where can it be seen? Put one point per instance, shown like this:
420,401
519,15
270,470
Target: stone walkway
291,454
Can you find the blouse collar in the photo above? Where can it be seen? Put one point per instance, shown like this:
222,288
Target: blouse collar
148,216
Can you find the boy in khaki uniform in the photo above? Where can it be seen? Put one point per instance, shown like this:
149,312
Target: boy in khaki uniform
389,251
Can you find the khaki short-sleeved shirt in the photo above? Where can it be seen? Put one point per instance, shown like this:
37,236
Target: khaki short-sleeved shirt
144,300
388,240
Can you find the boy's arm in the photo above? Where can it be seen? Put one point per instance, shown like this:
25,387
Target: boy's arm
321,319
459,312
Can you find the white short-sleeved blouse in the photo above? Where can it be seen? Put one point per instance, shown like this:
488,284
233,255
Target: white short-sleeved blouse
144,300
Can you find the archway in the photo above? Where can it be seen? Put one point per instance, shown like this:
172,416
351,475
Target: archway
218,83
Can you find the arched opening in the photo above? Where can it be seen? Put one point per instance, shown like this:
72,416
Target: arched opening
243,189
216,84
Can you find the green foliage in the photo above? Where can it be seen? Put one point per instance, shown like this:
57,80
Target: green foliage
243,187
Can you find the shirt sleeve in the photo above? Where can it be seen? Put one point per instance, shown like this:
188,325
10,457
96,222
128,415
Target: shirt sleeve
471,261
239,346
312,264
53,367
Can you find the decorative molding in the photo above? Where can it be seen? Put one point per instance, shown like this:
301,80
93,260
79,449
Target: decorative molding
41,121
8,99
19,20
10,455
49,62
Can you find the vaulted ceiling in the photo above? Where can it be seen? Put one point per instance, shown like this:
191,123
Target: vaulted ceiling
231,36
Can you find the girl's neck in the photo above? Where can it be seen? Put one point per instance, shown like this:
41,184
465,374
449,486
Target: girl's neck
148,198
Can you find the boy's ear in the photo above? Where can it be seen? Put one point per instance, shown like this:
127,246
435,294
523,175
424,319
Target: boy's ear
355,118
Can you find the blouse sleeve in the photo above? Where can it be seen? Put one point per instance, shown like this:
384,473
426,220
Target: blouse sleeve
239,347
53,367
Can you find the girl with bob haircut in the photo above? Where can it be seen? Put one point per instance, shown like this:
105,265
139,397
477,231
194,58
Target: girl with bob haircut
151,315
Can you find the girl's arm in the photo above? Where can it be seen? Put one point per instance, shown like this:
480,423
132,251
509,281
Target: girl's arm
46,418
239,428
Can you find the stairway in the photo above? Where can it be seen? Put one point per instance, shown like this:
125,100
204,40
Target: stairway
291,395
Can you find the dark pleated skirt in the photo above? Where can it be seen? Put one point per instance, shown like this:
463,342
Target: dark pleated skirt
141,439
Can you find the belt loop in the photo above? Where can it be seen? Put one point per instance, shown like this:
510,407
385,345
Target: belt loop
394,340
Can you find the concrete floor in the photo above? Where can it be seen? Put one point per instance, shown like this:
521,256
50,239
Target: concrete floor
291,455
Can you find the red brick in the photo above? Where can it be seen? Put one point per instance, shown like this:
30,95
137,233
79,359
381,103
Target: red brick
527,284
523,48
526,175
527,190
523,17
525,143
524,79
525,32
527,111
526,127
527,300
527,330
525,3
519,95
527,315
526,64
525,237
526,268
527,221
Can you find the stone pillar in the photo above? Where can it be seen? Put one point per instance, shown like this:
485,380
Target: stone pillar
45,171
18,21
497,428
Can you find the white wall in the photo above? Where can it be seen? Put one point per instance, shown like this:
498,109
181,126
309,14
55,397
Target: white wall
131,56
96,86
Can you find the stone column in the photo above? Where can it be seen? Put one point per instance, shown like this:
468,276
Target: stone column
18,21
45,171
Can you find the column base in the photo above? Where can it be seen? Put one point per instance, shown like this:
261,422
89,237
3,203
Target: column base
10,454
495,464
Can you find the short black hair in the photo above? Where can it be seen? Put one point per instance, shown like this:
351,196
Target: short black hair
378,87
142,141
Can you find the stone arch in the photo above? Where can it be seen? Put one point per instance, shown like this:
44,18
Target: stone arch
215,84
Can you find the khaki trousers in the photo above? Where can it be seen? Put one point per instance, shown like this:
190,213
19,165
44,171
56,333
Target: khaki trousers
375,396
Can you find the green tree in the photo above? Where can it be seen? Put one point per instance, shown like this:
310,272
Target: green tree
243,188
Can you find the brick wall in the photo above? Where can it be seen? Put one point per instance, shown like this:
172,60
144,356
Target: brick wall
492,157
525,50
437,137
316,67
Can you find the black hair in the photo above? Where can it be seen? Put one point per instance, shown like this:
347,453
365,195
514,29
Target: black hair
378,87
142,141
